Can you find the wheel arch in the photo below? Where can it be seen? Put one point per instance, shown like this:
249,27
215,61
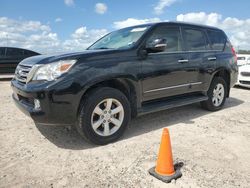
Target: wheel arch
225,74
127,86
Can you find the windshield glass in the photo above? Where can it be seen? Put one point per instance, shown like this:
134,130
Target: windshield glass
124,38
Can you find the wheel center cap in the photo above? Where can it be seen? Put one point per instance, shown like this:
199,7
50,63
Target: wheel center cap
107,117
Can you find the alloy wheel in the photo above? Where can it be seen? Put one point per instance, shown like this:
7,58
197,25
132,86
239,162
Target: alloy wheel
107,117
218,94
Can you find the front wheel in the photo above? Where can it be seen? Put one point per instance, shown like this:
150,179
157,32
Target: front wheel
104,115
216,95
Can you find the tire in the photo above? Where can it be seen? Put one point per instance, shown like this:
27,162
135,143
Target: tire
216,96
97,122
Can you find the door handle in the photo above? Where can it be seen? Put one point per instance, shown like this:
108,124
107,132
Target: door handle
211,58
183,61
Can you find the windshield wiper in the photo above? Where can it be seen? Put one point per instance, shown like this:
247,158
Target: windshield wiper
102,48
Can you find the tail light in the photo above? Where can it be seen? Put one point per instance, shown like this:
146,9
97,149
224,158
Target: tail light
234,54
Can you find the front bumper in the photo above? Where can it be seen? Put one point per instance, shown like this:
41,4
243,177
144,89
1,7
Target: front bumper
55,109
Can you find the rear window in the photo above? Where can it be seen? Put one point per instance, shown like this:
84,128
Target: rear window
194,39
217,39
241,58
29,53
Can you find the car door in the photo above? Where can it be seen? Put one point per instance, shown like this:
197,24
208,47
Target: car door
167,73
201,57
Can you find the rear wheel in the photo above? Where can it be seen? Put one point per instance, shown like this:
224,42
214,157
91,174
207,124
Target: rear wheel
216,95
104,116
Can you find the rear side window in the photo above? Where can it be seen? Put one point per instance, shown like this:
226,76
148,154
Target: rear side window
194,39
172,36
217,39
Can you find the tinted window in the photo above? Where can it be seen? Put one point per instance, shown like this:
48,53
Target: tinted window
14,52
194,39
172,36
29,53
2,52
217,39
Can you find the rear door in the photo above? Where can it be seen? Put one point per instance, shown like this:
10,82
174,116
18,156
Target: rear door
201,58
212,59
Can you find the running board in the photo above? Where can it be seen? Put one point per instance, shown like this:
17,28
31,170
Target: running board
170,103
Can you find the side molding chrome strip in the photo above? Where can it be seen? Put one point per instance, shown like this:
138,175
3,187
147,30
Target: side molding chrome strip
172,87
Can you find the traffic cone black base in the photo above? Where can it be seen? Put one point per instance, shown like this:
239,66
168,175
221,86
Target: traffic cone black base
166,179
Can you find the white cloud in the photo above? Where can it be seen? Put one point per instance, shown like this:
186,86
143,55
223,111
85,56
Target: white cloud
83,38
100,8
27,34
69,2
133,21
238,30
161,5
36,36
58,20
201,18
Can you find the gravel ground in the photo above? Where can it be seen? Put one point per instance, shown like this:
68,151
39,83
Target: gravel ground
214,147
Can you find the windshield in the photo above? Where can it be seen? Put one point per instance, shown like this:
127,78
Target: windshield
124,38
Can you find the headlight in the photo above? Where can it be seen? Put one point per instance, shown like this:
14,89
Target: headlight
52,71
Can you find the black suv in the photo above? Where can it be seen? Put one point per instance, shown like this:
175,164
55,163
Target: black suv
10,57
129,72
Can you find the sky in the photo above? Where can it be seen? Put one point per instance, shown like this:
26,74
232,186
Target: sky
48,26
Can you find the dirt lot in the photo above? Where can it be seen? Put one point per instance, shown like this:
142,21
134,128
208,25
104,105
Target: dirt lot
214,147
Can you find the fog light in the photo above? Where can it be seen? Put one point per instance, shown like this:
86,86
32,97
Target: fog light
37,104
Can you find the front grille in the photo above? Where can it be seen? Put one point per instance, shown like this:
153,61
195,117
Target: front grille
22,72
245,82
245,73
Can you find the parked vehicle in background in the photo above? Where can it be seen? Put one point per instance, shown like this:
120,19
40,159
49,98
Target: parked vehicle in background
129,72
10,57
244,76
243,59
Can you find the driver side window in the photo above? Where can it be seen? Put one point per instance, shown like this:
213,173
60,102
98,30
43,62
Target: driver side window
172,36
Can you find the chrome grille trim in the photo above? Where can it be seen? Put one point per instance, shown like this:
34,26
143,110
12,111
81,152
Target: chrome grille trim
22,72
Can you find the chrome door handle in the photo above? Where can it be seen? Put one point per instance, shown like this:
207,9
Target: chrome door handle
211,58
183,61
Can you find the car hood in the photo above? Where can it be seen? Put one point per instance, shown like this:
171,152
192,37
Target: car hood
48,58
245,68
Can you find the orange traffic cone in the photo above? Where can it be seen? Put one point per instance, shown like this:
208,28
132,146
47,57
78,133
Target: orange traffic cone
164,169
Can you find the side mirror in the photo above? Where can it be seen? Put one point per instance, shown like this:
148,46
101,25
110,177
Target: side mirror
157,45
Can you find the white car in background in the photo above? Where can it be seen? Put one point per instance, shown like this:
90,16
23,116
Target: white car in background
243,62
244,76
243,59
